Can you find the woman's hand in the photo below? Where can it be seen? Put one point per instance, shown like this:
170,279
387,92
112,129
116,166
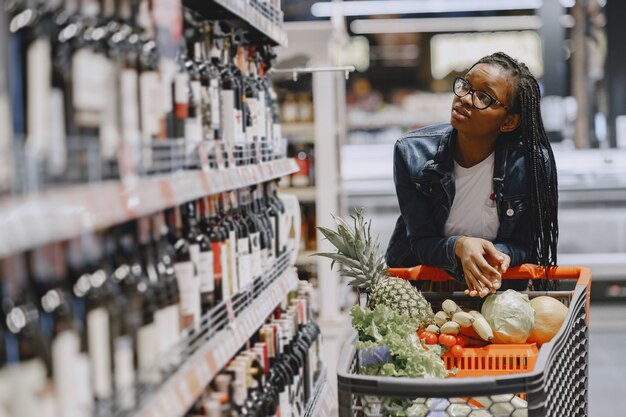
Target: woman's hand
483,265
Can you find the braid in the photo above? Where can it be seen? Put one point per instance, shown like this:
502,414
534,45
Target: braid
539,162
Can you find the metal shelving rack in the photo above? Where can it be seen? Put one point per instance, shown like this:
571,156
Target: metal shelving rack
62,213
221,338
259,16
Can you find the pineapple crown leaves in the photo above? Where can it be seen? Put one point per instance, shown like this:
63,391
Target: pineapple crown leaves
356,250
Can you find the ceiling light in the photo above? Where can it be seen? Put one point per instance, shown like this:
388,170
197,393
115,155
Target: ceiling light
445,24
378,7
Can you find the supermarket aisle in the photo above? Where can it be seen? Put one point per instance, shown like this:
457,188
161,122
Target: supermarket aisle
607,371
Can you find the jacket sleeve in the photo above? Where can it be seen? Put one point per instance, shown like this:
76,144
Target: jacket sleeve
428,244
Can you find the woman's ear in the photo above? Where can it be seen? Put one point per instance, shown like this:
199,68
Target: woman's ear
511,122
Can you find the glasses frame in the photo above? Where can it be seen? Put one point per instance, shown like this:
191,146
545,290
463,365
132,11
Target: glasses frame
472,91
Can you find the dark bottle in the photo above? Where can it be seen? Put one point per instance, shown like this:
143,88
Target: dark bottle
244,261
279,208
255,230
211,83
202,256
26,347
123,309
52,286
232,103
193,122
284,375
230,286
218,236
147,343
186,275
167,316
267,239
295,356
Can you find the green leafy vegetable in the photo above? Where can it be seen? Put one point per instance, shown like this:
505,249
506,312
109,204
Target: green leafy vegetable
383,326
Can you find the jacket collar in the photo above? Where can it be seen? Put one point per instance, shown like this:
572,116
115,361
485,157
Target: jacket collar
443,160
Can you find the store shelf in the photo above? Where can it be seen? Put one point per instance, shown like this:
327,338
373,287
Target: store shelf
304,194
63,213
299,132
261,17
176,395
306,258
322,402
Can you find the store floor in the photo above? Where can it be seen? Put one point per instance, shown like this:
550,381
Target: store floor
607,370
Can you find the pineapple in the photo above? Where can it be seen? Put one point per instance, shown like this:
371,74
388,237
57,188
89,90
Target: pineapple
358,253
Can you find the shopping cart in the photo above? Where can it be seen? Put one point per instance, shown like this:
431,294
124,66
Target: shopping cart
557,385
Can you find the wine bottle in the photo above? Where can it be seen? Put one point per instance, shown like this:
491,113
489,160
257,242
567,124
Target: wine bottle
243,243
167,316
186,274
26,348
229,287
202,256
254,229
231,104
218,235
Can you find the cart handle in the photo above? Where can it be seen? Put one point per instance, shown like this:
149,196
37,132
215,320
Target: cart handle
582,275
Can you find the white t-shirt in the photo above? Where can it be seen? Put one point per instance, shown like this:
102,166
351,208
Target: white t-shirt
473,212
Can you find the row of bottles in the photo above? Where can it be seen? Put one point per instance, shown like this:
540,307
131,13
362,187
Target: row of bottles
86,323
275,374
92,95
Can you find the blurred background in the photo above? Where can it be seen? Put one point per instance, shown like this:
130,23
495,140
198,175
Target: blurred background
406,54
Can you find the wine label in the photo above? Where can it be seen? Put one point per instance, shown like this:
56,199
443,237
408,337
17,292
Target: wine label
239,126
148,353
214,94
244,262
255,256
262,116
181,95
218,265
253,131
189,291
228,116
196,94
98,336
110,135
150,104
284,231
84,391
39,67
124,373
206,272
29,399
129,85
234,277
194,254
90,83
285,404
166,338
227,272
65,347
57,151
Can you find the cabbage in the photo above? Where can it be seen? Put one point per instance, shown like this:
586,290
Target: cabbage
510,316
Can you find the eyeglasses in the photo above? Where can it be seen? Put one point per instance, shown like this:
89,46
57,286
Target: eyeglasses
480,99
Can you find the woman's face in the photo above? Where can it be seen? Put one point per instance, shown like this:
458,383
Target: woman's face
492,120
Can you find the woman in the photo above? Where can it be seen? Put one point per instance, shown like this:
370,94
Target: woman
479,195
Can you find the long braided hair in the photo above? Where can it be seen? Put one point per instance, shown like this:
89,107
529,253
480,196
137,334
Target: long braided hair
539,161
